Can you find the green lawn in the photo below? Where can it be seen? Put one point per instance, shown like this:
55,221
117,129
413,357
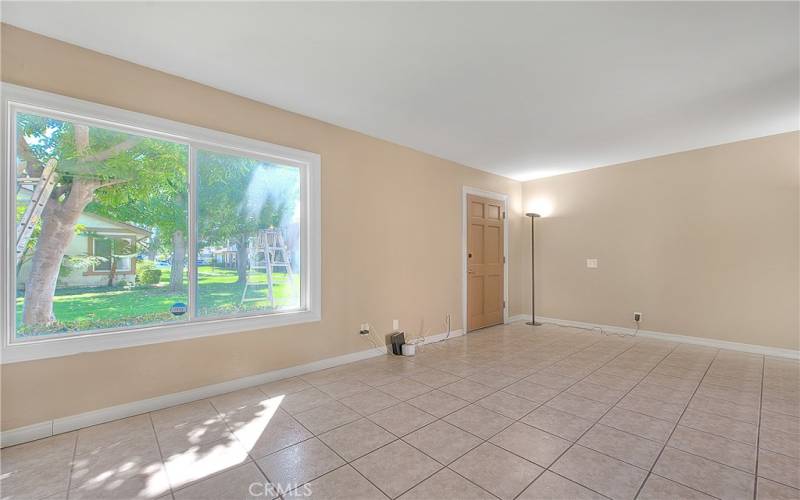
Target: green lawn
104,307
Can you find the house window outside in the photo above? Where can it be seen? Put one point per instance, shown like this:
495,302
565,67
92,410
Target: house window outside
111,254
145,227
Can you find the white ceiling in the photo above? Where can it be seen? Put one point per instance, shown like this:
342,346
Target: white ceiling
524,90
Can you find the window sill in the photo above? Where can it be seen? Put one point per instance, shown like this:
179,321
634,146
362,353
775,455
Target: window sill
54,347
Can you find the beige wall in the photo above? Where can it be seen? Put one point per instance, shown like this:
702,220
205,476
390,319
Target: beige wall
391,239
702,243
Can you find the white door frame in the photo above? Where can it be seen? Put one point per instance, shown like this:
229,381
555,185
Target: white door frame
467,190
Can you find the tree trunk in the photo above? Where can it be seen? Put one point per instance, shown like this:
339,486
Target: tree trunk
112,271
241,260
58,230
178,261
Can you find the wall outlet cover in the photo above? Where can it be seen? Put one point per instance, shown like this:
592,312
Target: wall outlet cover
591,263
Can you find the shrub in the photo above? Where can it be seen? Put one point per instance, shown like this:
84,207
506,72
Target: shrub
146,273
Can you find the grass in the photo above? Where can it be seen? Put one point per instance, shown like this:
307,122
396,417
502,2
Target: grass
107,307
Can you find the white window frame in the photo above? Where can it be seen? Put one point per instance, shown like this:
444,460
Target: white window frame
15,98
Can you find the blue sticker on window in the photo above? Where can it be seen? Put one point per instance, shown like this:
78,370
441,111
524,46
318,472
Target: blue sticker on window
178,308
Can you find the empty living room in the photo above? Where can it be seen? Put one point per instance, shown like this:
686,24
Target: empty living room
400,250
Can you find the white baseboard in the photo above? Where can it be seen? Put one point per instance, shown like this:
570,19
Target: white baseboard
719,344
432,339
65,424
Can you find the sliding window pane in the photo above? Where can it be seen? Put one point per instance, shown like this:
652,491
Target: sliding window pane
107,249
248,255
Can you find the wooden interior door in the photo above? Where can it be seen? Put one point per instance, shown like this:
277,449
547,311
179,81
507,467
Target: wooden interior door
485,259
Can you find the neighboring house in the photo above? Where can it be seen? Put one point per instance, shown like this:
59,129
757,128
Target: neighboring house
99,237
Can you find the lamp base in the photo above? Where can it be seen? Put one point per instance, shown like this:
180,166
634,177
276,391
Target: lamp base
533,323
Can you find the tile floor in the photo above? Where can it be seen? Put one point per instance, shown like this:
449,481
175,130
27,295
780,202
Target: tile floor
508,412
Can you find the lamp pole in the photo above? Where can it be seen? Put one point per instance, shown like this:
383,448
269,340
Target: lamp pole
533,321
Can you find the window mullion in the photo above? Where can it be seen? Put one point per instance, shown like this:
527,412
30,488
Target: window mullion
192,230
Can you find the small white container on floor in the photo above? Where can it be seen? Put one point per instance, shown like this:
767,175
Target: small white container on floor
409,349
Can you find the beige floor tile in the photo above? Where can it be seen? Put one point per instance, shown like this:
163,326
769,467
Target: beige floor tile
779,468
434,378
442,441
508,405
493,379
198,462
779,442
596,392
405,389
531,443
438,403
402,419
44,477
268,432
531,391
326,417
716,448
369,402
744,398
284,387
479,421
550,486
131,468
671,382
638,424
780,422
343,388
659,488
306,399
652,407
725,408
446,484
551,381
770,490
53,452
557,422
704,475
578,406
720,426
396,468
496,470
241,483
110,434
467,390
787,407
187,434
342,484
356,439
181,414
601,473
237,399
611,381
299,464
629,448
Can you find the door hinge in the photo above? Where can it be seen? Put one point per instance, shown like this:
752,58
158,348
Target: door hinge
504,214
504,304
504,259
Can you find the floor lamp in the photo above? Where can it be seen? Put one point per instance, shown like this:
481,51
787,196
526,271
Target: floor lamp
533,321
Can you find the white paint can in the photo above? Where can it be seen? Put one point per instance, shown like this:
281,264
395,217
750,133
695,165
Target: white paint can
409,349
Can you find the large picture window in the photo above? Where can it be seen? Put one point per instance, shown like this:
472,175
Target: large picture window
121,229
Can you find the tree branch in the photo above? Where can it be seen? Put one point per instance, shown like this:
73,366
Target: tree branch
113,150
81,138
24,150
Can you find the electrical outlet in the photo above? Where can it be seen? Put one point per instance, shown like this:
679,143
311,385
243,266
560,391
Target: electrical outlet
637,317
591,263
395,325
364,329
